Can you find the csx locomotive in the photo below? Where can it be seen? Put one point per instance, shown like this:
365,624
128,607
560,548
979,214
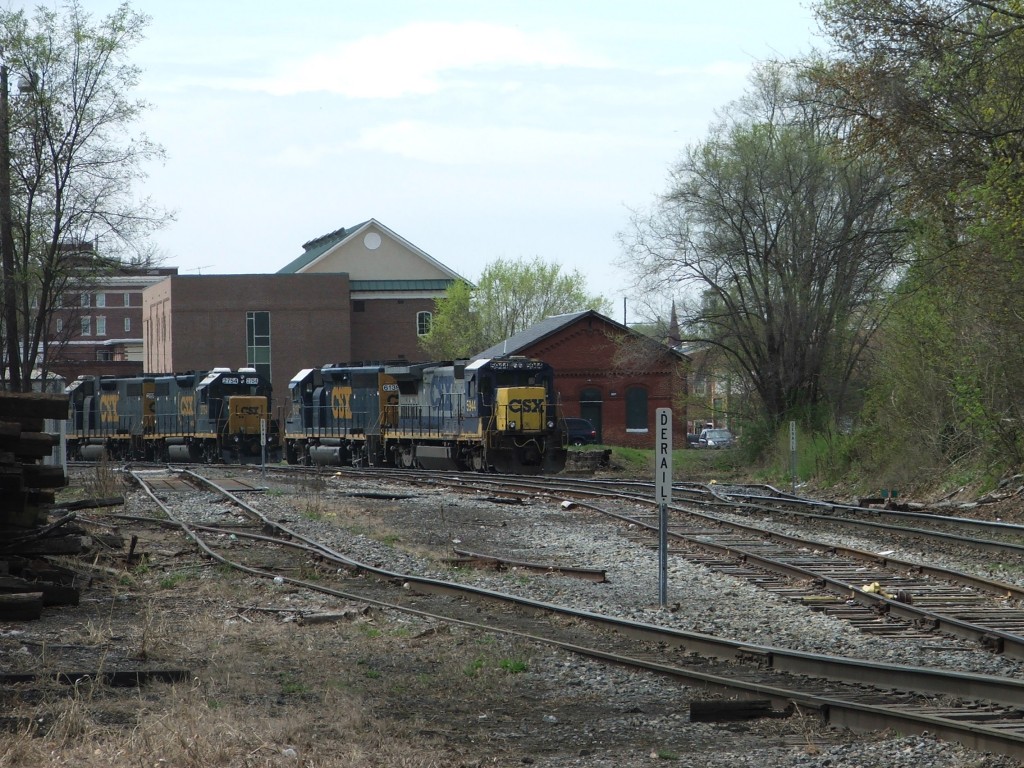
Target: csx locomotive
220,415
490,414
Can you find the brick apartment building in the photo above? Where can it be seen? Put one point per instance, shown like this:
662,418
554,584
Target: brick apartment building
98,327
607,373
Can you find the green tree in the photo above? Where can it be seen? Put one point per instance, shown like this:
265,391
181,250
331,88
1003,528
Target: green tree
509,297
455,332
791,243
75,161
934,87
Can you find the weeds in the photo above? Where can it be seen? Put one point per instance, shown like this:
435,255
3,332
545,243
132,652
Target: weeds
172,580
104,481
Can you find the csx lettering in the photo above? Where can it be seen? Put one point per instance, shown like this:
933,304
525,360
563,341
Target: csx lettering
526,406
108,409
249,410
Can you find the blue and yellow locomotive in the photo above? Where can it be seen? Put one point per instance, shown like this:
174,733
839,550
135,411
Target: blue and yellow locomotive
220,415
489,414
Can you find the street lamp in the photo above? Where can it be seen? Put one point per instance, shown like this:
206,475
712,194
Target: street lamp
7,232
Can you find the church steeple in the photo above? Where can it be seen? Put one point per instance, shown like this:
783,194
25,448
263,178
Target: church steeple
673,339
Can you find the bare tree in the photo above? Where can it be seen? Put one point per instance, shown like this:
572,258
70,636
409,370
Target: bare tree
790,243
74,161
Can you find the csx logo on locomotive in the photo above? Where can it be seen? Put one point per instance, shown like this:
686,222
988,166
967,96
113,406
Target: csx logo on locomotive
108,408
526,406
341,397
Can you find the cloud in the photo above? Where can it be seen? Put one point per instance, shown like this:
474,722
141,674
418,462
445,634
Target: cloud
414,59
487,144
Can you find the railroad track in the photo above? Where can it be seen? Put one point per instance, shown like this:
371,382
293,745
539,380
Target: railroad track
879,594
856,694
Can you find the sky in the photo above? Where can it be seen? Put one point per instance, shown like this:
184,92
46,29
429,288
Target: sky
476,130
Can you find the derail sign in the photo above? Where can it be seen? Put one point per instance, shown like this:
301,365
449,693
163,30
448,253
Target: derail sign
663,456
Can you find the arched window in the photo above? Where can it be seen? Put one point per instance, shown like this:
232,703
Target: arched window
636,409
423,321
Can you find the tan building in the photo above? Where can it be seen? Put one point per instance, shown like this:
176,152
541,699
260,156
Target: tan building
357,294
394,286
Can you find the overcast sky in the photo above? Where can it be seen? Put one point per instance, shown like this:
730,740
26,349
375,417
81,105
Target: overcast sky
475,130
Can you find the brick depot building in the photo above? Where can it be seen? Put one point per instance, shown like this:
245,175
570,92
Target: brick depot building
356,294
607,373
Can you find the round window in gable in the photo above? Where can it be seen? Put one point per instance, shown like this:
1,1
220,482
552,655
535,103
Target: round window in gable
372,241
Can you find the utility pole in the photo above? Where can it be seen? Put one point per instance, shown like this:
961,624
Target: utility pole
7,240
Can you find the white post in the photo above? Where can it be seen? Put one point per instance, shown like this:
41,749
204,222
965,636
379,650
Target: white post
663,494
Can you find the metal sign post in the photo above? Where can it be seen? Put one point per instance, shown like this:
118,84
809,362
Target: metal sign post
663,494
263,443
792,453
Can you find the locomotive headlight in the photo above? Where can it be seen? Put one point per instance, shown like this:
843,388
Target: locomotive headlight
511,425
551,424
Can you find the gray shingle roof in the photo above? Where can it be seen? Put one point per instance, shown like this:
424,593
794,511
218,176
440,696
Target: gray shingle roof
518,342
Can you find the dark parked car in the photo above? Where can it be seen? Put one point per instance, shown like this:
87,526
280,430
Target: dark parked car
716,438
580,432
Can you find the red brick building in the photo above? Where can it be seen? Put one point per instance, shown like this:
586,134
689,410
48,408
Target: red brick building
278,324
98,327
607,373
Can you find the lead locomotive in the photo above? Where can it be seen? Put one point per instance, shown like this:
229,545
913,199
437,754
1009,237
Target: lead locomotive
489,414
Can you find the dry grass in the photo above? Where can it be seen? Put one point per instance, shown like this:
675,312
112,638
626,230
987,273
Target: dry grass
103,481
265,691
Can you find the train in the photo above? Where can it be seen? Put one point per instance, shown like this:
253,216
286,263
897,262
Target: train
493,414
221,415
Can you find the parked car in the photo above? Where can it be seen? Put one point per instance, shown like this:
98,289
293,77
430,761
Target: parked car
692,440
580,432
716,438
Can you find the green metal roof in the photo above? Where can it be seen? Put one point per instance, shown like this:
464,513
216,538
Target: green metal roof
317,247
399,285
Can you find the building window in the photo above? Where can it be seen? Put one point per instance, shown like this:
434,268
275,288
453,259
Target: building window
101,326
101,299
700,385
87,326
636,409
85,299
127,325
127,299
423,321
60,324
257,342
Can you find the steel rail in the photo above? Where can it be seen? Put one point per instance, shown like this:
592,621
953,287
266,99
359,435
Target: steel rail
856,715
